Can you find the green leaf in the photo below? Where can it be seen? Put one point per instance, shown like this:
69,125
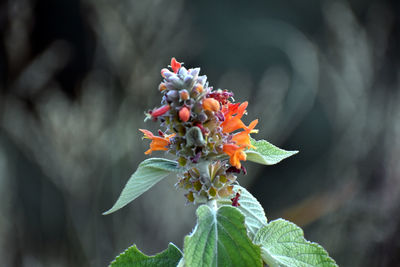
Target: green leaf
133,257
149,172
181,263
283,244
252,210
220,239
266,153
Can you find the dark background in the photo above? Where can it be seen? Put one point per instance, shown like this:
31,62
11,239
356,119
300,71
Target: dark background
76,76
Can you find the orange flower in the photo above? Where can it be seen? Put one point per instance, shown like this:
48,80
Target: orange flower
243,138
157,143
235,153
233,123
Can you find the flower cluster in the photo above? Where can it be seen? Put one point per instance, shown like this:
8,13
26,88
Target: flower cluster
203,128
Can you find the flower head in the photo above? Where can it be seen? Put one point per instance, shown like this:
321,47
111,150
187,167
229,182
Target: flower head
209,137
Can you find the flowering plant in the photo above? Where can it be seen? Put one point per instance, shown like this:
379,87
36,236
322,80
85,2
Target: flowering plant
204,131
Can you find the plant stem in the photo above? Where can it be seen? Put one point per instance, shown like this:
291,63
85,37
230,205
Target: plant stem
212,204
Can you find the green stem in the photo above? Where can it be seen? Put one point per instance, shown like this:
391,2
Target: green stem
213,204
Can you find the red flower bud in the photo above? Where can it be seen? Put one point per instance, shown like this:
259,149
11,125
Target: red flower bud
184,114
235,200
160,111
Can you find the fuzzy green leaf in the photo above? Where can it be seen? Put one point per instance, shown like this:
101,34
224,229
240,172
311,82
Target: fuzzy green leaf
133,257
252,210
220,239
149,172
266,153
283,244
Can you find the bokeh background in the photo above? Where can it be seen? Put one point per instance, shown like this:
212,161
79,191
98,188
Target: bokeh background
76,77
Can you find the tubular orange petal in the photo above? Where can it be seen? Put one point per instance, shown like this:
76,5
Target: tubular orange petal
235,154
230,109
175,65
242,109
243,138
252,125
147,133
233,123
157,143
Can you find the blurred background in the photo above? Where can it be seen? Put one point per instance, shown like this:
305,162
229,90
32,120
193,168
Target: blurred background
76,77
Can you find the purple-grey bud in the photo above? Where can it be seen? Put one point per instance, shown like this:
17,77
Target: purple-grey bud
176,81
202,117
172,95
189,102
170,86
167,74
183,71
188,80
195,72
202,79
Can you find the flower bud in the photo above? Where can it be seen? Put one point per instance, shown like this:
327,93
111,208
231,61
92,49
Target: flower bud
182,71
194,93
194,72
190,196
194,137
198,88
182,161
202,117
212,192
170,86
159,111
220,116
211,104
202,79
189,102
188,80
162,87
172,95
165,73
184,114
175,81
183,95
